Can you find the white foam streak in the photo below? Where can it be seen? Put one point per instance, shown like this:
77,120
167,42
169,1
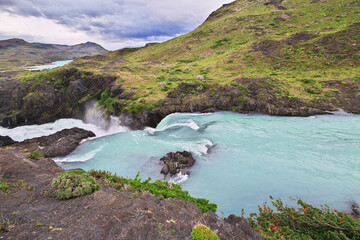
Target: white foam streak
186,123
72,158
199,148
179,178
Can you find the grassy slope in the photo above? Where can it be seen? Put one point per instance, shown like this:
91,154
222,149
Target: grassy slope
16,53
247,39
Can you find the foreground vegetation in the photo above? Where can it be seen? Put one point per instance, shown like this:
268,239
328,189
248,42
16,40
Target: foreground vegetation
157,188
304,222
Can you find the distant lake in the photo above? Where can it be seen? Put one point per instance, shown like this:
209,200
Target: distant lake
49,66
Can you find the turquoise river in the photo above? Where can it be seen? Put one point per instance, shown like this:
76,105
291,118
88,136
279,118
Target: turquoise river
241,159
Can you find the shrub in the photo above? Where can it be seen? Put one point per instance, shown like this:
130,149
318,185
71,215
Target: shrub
167,190
36,155
306,222
74,183
202,232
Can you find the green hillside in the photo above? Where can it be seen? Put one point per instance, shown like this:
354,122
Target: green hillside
17,53
267,50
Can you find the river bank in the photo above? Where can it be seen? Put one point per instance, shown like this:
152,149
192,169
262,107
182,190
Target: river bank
29,208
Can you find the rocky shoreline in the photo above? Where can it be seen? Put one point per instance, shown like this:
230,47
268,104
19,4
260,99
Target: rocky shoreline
30,210
67,93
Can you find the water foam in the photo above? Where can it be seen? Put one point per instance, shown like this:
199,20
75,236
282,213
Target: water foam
104,126
32,131
74,158
179,178
199,147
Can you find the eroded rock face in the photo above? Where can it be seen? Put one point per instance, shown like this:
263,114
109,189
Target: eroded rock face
63,142
6,140
48,98
177,162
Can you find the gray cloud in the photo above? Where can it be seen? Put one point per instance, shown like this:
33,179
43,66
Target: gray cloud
119,19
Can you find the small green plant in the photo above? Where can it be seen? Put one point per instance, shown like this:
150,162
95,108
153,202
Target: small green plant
5,186
36,155
242,100
305,222
74,183
202,232
221,42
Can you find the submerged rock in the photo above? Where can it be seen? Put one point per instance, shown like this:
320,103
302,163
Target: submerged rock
355,210
176,162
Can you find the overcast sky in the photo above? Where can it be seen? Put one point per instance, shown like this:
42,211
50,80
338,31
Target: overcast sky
112,23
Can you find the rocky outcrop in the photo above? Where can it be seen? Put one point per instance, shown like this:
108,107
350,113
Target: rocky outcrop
276,3
32,210
6,140
246,95
175,162
23,103
63,142
49,97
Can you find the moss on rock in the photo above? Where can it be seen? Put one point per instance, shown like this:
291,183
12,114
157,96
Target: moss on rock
202,232
74,183
36,155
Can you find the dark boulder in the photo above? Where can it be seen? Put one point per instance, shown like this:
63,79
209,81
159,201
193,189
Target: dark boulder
176,162
6,140
63,142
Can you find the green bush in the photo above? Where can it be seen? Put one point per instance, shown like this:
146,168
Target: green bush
36,155
202,232
167,190
74,183
305,222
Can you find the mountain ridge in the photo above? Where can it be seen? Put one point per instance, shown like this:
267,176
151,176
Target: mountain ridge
16,53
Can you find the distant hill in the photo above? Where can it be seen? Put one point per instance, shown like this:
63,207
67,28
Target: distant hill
16,53
277,57
304,51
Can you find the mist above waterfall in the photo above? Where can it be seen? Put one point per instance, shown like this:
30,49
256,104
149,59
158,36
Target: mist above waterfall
94,121
95,116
